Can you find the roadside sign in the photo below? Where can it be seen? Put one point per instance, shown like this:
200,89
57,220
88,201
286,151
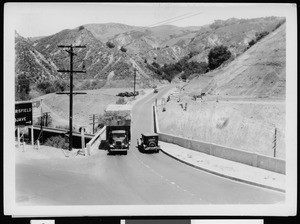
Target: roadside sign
23,114
36,108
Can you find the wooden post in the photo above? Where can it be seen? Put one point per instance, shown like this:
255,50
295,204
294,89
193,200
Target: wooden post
88,148
18,133
82,140
23,144
32,137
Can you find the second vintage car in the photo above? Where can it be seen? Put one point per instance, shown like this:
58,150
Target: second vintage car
148,142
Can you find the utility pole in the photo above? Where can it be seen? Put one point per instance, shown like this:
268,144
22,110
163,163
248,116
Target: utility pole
134,83
71,71
93,117
45,122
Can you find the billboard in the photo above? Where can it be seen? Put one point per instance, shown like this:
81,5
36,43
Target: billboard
23,114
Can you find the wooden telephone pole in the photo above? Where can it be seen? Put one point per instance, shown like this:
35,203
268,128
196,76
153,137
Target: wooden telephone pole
71,71
134,83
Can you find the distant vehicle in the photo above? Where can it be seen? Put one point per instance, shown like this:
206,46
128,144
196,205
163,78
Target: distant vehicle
148,142
155,90
128,94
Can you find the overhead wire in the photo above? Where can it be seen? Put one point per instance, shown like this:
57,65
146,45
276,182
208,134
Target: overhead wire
161,24
174,19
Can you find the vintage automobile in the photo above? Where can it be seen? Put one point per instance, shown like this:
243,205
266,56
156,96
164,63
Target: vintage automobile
148,142
118,139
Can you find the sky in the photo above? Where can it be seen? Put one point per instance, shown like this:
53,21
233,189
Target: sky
43,19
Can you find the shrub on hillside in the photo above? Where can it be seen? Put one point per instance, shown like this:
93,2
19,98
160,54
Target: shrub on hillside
279,24
121,100
123,49
258,36
48,86
43,121
261,35
110,44
57,142
22,88
217,56
91,84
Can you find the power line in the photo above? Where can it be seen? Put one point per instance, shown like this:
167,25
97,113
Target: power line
165,23
143,27
158,23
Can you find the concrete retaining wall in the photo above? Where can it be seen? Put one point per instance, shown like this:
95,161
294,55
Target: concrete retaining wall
237,155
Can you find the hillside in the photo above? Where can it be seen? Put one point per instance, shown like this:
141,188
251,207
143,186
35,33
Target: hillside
233,33
100,61
259,73
105,31
31,62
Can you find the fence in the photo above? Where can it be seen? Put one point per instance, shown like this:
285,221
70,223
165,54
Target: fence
237,155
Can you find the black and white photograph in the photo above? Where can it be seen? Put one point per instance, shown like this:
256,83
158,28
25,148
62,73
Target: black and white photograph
150,109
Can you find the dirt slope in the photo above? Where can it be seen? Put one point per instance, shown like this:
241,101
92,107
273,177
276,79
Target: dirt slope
258,73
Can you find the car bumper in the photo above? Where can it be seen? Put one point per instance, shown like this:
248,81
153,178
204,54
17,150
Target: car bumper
118,149
152,148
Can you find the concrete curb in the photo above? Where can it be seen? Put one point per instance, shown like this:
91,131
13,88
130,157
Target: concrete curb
223,175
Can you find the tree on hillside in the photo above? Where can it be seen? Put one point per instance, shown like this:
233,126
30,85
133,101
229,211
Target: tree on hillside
217,56
110,44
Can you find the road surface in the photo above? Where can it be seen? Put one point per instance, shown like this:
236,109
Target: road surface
132,179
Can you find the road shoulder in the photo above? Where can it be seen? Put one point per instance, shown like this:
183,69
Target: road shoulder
226,168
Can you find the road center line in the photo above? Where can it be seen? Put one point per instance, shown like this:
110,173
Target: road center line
162,177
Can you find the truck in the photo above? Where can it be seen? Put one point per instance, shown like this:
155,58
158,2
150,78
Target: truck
118,129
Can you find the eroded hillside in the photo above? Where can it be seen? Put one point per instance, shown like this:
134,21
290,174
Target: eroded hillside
260,72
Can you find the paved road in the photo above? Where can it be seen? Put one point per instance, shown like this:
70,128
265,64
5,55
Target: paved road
133,179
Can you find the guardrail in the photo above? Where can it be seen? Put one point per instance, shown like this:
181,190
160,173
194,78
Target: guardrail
96,140
237,155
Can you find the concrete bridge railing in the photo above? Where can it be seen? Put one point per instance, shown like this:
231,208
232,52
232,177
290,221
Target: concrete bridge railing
96,140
